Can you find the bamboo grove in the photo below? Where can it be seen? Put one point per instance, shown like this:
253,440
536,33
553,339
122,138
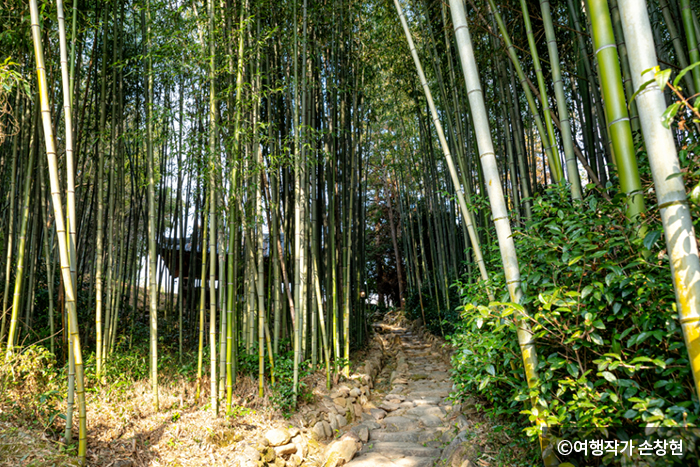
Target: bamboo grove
275,173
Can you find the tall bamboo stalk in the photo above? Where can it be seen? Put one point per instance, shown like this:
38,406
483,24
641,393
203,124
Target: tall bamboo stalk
22,243
553,162
681,242
11,222
563,109
558,175
691,38
500,214
214,400
152,254
445,149
615,106
60,225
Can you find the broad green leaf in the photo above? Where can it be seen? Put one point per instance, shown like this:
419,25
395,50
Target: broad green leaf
669,114
490,370
683,72
661,77
695,192
609,376
586,291
641,88
596,338
651,238
484,383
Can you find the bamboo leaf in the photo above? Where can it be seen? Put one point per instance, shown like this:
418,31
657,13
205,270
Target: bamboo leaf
661,78
669,114
641,88
683,72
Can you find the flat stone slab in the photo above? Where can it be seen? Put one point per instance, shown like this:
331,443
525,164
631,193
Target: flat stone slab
414,462
371,424
424,400
397,436
400,422
423,410
430,420
389,406
393,449
371,459
436,393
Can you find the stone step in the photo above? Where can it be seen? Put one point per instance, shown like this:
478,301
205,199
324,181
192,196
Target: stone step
396,437
399,422
375,459
393,449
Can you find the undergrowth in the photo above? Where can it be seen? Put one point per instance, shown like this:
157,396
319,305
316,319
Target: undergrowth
602,309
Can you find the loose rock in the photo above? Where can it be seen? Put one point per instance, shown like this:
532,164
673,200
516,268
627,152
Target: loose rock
278,437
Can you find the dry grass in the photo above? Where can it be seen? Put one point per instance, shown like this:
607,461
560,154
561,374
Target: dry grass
124,429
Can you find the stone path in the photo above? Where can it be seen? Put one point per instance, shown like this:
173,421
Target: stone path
409,420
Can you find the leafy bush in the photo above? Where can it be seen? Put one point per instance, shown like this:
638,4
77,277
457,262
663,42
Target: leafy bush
603,313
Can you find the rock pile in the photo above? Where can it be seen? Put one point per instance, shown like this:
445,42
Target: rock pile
336,410
405,421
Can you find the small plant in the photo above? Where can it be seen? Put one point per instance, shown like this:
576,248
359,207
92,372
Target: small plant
239,411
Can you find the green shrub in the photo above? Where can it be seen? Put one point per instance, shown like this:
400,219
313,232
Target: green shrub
603,313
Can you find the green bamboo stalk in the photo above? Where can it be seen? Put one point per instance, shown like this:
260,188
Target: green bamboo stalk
47,254
202,298
552,161
691,37
443,143
232,286
297,210
615,106
573,13
152,253
213,399
624,64
11,220
22,245
562,108
558,175
60,226
681,57
99,241
516,119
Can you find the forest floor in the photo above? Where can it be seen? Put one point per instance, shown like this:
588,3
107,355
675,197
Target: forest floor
125,430
409,419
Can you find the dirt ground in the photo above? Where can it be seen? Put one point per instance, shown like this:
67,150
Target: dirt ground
125,430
